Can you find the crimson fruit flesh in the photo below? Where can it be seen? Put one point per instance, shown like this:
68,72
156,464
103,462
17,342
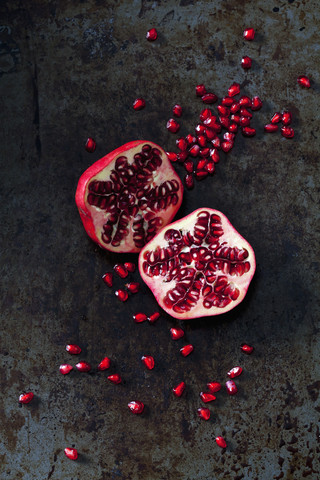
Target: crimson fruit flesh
128,195
198,266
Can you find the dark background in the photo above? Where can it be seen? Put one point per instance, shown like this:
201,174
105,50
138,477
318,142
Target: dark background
70,70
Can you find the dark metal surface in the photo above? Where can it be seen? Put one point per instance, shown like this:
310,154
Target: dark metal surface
70,70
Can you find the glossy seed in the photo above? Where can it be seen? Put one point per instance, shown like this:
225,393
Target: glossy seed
154,317
276,117
179,389
186,350
248,34
207,397
248,131
133,287
246,348
121,270
234,372
271,127
139,104
234,89
140,317
287,132
130,266
177,110
204,413
104,364
73,349
65,368
83,366
214,387
303,81
221,442
71,453
176,333
173,126
122,295
231,387
209,98
256,103
200,90
152,35
286,118
246,62
148,361
26,397
108,279
115,378
136,407
90,145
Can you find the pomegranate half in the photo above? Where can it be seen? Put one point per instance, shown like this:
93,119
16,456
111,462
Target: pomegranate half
198,266
128,195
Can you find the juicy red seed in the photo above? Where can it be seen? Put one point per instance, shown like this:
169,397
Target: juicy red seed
204,413
207,397
136,407
26,397
245,113
248,131
231,387
71,453
227,146
104,364
188,165
245,101
107,278
73,349
200,129
204,114
139,104
179,389
200,90
214,386
152,34
65,368
234,372
256,103
202,141
173,126
229,136
271,127
191,139
214,155
148,361
90,145
140,317
173,157
249,33
246,348
130,266
133,287
287,132
189,182
235,107
186,350
194,150
276,117
286,118
204,152
209,98
227,101
216,142
176,333
182,144
211,133
201,164
225,122
221,442
234,89
83,366
244,121
122,295
121,270
210,167
233,127
235,118
182,156
246,62
303,81
177,110
223,110
115,378
154,317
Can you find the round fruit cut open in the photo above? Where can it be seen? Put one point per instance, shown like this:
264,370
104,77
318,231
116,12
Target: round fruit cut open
127,196
198,266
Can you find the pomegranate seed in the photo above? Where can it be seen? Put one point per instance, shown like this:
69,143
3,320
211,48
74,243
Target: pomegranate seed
182,144
122,295
256,103
133,287
287,132
271,127
188,165
179,389
248,131
139,104
104,364
235,118
235,107
204,152
83,366
189,181
177,110
209,98
90,145
182,156
202,141
229,136
204,413
65,368
225,122
276,117
214,387
249,33
303,81
233,127
286,118
207,397
244,121
140,317
245,101
148,361
173,157
216,142
73,349
246,348
221,442
154,317
204,114
200,129
176,333
226,146
234,372
26,397
214,155
231,387
173,126
121,270
210,167
191,139
71,453
210,122
152,35
201,164
194,150
211,133
234,89
200,90
201,174
186,350
115,378
136,407
107,278
227,101
223,111
246,62
245,113
130,266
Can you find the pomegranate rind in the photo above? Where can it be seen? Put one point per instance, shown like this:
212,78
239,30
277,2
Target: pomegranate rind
160,284
92,221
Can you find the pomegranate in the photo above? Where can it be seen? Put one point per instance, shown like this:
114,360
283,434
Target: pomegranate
198,266
133,287
148,361
108,279
246,62
128,195
231,387
122,295
214,387
140,317
176,333
248,34
177,110
115,378
207,397
234,372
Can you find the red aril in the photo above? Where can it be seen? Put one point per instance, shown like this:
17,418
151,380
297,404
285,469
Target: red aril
210,167
286,118
245,101
90,145
140,317
214,387
221,442
173,157
235,107
227,101
26,397
136,406
188,165
246,62
207,397
229,136
65,368
133,287
108,279
256,103
83,366
73,349
227,146
248,34
115,378
71,453
202,140
154,317
304,81
223,110
209,98
276,117
139,104
122,295
152,35
271,127
244,121
186,350
194,150
204,413
234,89
130,266
287,132
235,119
148,361
221,259
248,349
248,131
200,90
176,333
214,154
216,142
179,389
121,270
189,181
191,139
231,387
224,121
173,126
177,110
128,195
233,127
234,372
182,156
182,144
244,112
104,364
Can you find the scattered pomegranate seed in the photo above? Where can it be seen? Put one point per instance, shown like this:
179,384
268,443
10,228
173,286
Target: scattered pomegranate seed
115,378
90,145
286,118
244,121
133,287
173,126
186,350
245,101
221,442
71,453
154,317
227,101
130,266
108,279
303,81
179,389
201,174
173,157
121,270
152,35
233,127
139,104
207,397
234,372
136,407
200,90
234,89
246,348
65,368
226,146
229,136
249,33
191,139
104,364
182,144
188,165
256,103
182,156
148,361
244,112
204,114
235,118
276,117
216,142
287,132
26,397
246,62
73,349
214,387
225,122
176,333
122,295
223,110
231,387
209,98
248,131
177,110
200,129
271,127
204,413
210,167
83,366
189,182
235,107
214,154
140,317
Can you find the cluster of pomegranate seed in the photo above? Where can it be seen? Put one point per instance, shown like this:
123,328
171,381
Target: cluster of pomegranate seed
90,145
81,366
285,118
122,270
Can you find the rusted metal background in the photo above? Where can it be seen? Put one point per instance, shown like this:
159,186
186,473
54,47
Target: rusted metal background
69,70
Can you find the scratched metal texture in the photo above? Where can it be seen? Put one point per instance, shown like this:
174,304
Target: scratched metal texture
69,70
